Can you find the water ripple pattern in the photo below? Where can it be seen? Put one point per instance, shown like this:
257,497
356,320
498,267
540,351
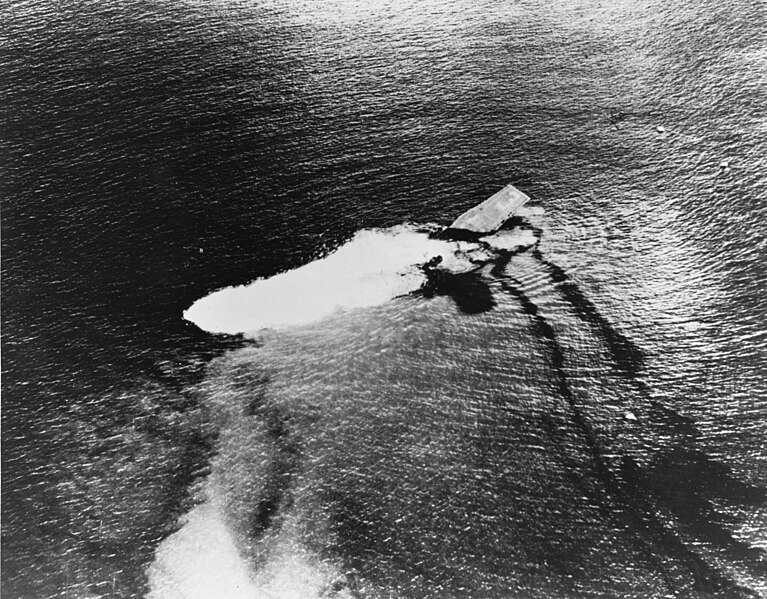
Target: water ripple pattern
583,416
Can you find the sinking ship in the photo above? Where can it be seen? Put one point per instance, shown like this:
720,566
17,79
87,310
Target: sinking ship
477,240
481,227
489,216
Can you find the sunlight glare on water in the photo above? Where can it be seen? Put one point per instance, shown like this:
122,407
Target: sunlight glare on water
576,409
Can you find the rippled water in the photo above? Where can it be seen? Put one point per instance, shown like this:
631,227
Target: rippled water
584,418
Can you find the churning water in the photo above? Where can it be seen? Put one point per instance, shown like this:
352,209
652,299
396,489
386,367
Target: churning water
579,413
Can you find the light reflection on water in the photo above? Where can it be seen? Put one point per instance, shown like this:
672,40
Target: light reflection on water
157,152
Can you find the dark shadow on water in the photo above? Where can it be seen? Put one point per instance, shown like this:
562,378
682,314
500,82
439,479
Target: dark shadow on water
681,481
627,355
469,292
449,234
690,485
275,495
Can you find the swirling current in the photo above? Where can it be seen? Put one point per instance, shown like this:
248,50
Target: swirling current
582,414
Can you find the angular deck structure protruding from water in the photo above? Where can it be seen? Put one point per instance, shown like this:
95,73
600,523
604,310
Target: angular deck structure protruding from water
488,216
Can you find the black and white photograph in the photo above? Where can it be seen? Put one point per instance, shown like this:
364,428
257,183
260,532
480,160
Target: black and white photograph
383,299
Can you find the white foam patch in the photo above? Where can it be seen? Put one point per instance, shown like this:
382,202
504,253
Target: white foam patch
294,573
511,240
374,267
200,561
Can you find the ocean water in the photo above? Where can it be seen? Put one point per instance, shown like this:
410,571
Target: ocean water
582,416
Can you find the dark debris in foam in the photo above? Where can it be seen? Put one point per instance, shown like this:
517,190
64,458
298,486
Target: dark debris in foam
469,292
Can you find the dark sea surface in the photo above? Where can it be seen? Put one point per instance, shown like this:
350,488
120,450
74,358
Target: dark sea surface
586,418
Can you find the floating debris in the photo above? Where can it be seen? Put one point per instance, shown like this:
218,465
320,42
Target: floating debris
660,129
630,416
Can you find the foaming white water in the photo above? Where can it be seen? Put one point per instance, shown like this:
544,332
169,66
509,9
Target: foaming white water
200,561
295,573
372,268
510,240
